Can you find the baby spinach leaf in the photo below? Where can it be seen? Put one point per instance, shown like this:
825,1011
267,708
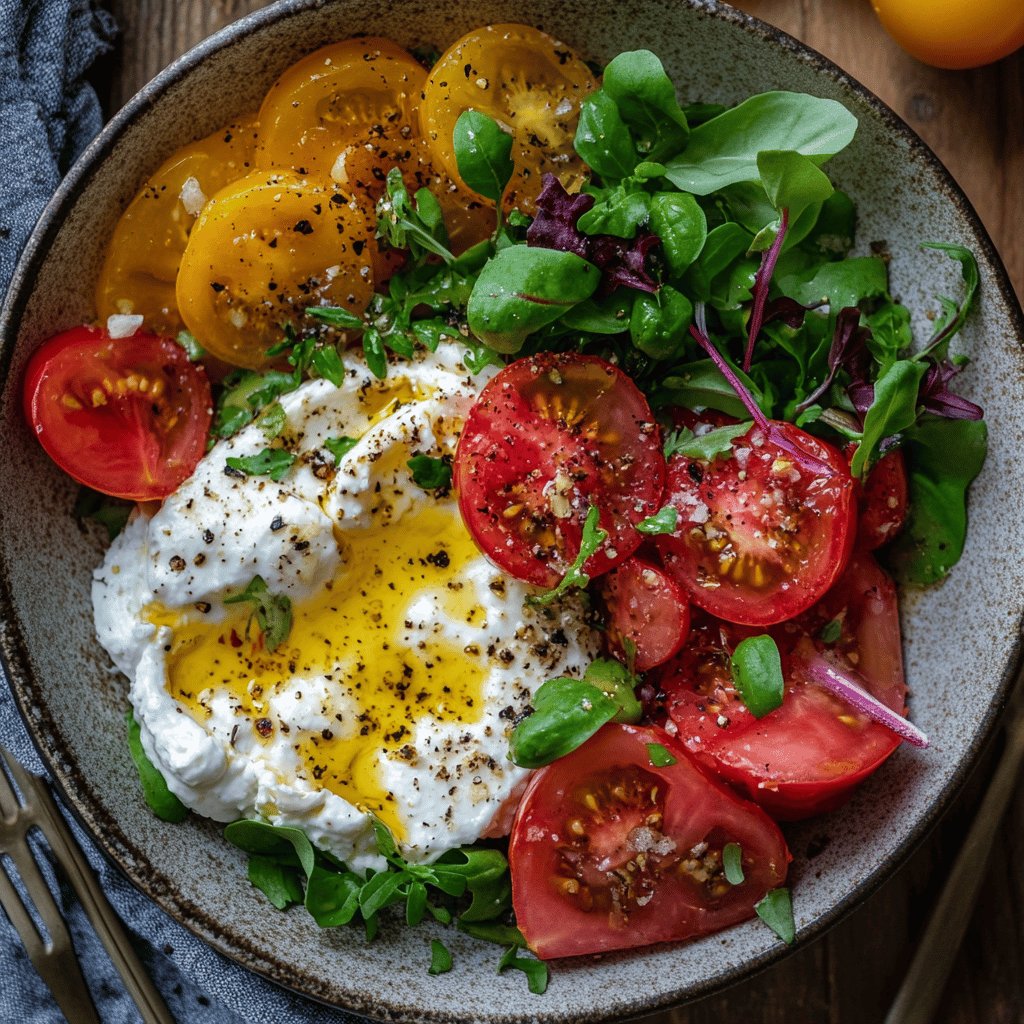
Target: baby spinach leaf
724,150
618,211
757,673
272,612
280,884
536,971
776,910
440,958
732,863
332,897
430,474
894,409
722,247
943,457
663,521
264,839
493,931
162,802
590,542
487,881
707,446
602,138
659,756
682,227
609,315
658,324
483,154
523,289
340,446
272,462
792,181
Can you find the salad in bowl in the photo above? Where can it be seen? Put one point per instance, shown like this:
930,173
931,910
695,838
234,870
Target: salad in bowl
508,467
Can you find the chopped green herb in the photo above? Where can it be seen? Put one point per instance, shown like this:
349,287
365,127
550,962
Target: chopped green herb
663,521
440,958
831,631
590,542
340,446
112,513
776,910
244,394
659,756
272,420
757,673
336,316
431,474
272,612
707,446
162,802
417,226
732,863
272,462
327,363
536,971
194,351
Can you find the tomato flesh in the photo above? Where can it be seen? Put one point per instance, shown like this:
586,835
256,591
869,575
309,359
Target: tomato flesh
761,534
648,613
127,417
806,756
609,851
883,502
549,436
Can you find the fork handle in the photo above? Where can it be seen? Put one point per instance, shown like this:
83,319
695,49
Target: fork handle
103,917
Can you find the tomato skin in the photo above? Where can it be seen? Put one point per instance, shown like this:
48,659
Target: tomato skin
568,896
883,502
808,755
953,33
761,536
647,607
127,417
549,436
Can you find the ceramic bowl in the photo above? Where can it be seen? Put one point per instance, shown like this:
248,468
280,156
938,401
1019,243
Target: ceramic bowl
961,638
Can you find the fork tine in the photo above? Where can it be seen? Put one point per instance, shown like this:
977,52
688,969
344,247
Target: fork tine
8,798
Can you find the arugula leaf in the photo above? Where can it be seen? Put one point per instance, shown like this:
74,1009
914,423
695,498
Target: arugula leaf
943,457
272,612
732,863
776,910
339,447
757,673
162,802
272,462
845,283
440,957
664,520
483,154
487,881
591,540
659,756
707,446
523,289
429,473
536,971
724,150
893,409
332,897
111,513
955,314
405,224
280,884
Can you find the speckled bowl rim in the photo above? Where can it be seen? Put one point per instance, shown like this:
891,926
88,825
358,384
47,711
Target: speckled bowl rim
14,656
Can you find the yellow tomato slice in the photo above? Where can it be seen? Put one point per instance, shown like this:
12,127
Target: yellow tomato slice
340,95
145,249
264,249
530,83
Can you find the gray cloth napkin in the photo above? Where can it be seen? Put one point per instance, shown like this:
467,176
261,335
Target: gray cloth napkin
48,113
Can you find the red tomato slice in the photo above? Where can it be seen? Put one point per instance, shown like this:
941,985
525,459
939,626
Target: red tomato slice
126,416
883,502
646,608
550,436
609,851
761,535
805,757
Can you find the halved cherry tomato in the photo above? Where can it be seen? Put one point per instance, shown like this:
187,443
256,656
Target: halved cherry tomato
883,501
145,249
762,534
126,416
806,756
344,94
550,436
263,250
647,610
531,84
609,851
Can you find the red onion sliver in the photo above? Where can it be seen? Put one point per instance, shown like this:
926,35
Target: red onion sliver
843,683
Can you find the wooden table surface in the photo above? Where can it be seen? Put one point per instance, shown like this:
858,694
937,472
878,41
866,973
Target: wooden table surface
974,120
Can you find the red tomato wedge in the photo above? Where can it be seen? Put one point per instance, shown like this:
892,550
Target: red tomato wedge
550,436
609,851
884,502
761,534
805,757
646,609
125,416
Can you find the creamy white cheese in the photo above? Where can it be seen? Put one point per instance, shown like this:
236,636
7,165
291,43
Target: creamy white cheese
432,749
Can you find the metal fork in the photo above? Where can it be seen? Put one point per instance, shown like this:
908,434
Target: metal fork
55,959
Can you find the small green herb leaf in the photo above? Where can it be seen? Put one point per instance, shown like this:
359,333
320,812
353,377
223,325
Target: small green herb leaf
732,863
272,420
272,462
894,409
955,314
272,612
776,910
279,883
831,631
111,513
404,225
336,316
244,394
440,958
340,446
663,521
162,802
276,841
429,473
536,971
590,543
483,154
707,446
757,673
493,931
327,362
659,756
194,351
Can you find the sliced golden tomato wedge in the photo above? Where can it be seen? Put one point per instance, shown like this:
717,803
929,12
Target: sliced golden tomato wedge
145,250
530,83
263,250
